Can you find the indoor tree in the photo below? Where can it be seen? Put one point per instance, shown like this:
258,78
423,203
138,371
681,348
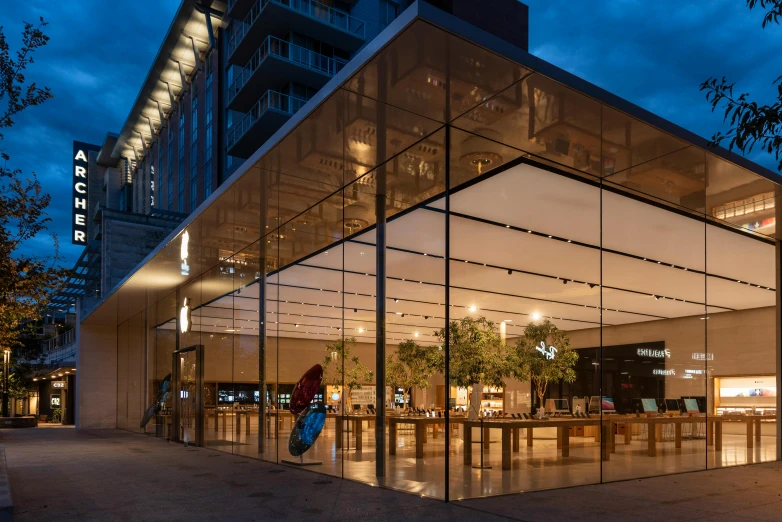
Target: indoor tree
534,359
412,365
477,354
344,369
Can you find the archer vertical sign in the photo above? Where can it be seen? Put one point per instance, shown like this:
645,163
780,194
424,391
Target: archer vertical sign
80,189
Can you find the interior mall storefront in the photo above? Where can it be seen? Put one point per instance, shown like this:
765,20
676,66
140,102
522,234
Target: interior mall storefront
417,231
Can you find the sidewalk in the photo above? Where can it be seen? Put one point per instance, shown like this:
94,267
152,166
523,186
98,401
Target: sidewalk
114,475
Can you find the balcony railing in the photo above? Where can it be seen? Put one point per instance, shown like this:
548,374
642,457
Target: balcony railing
60,348
328,15
61,340
271,100
285,51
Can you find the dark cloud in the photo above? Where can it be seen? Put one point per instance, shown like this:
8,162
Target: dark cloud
98,55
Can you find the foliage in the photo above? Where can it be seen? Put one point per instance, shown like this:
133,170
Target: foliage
413,365
477,354
342,368
774,10
20,382
26,282
529,363
751,123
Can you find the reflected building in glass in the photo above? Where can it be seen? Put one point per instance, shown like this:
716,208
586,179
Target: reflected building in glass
413,228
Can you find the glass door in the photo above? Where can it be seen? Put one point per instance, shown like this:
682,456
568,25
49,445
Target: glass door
188,376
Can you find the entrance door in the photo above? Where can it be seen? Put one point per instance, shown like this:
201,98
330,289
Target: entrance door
187,374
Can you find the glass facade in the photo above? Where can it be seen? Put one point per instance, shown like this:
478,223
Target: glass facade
507,286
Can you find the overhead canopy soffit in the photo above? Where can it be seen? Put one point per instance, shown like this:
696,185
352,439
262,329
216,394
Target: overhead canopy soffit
181,54
503,111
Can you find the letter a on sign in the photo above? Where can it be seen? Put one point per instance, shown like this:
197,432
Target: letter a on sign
80,156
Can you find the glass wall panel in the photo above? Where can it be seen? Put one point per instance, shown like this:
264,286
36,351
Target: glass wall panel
524,274
309,324
225,412
431,72
358,348
164,331
246,353
272,443
415,311
740,355
543,118
652,400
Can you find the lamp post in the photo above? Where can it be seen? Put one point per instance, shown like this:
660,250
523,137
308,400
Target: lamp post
6,364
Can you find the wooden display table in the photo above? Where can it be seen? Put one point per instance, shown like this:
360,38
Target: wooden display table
653,429
357,422
225,413
753,427
420,422
510,434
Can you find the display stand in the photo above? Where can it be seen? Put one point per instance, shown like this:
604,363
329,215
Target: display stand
302,462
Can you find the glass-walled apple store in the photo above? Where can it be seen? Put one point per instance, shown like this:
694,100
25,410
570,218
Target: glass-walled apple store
457,277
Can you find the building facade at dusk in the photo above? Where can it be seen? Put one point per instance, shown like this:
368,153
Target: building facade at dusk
392,195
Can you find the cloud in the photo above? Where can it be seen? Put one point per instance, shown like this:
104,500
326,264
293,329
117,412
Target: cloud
97,58
654,54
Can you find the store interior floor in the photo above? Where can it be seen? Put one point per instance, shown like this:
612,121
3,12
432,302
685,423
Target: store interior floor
539,467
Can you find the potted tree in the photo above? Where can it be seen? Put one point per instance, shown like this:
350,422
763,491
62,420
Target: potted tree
543,355
342,368
413,365
478,357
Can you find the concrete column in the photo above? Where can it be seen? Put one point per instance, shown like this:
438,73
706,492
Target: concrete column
96,376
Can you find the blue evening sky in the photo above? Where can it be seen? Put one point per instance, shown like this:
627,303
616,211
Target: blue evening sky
654,54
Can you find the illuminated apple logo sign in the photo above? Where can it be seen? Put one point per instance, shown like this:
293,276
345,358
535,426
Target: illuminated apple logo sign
184,317
548,351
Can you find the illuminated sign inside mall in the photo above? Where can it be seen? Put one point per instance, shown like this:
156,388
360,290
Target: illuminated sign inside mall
660,371
700,356
548,351
80,199
654,354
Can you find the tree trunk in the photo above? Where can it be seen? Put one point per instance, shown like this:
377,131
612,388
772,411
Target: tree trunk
475,401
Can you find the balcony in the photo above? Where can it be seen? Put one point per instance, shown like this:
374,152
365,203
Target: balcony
238,9
266,116
279,59
60,348
309,17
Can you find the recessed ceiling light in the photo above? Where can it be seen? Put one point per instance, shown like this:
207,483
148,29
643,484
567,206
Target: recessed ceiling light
535,316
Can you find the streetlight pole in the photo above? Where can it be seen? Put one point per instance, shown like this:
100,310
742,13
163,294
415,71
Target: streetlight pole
6,363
